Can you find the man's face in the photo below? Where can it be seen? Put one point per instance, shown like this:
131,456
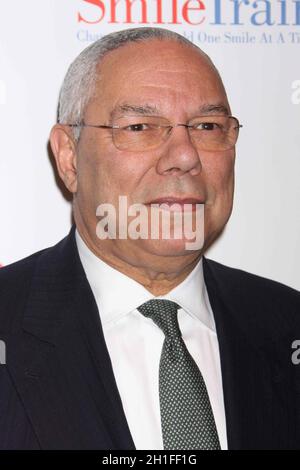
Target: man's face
178,82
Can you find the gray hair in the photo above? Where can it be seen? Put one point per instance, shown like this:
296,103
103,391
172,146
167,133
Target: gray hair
80,81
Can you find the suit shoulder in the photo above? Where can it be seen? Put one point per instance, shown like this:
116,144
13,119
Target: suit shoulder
264,309
16,274
15,281
248,283
30,275
19,271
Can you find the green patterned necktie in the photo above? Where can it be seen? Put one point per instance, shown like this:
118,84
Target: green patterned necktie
186,415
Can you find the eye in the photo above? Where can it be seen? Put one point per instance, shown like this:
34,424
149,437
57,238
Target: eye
138,127
208,126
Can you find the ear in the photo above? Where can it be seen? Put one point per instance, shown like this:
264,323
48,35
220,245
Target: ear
64,150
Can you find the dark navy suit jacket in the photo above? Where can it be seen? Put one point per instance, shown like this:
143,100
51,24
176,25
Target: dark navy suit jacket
57,388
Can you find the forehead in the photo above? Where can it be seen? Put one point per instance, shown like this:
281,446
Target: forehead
163,74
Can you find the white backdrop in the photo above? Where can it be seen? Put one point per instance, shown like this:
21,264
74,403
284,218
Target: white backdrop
257,50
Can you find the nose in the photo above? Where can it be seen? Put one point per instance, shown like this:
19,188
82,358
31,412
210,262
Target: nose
179,155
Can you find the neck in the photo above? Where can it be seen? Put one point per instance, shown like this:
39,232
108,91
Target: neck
158,274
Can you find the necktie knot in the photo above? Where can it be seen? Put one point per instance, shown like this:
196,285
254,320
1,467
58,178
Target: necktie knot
164,314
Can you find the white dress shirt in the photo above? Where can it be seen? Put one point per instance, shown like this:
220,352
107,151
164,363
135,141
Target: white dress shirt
134,343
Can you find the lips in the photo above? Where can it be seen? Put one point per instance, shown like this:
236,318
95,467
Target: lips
176,201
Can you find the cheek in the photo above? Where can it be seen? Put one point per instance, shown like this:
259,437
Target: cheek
93,173
127,173
108,172
220,185
219,175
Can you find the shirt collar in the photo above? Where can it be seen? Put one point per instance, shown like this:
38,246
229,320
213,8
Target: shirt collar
117,294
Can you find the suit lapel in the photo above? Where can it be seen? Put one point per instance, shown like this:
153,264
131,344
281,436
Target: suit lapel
255,382
60,363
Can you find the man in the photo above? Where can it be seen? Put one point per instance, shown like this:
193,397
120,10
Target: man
125,342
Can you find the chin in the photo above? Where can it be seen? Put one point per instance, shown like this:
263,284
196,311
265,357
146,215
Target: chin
169,247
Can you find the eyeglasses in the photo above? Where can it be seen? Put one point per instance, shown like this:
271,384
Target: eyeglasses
211,133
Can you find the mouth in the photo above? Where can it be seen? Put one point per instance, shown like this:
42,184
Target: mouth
177,204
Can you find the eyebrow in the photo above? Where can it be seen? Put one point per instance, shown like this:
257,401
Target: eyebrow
214,109
142,110
146,110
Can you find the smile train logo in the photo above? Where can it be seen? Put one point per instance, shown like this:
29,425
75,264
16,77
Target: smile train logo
190,12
